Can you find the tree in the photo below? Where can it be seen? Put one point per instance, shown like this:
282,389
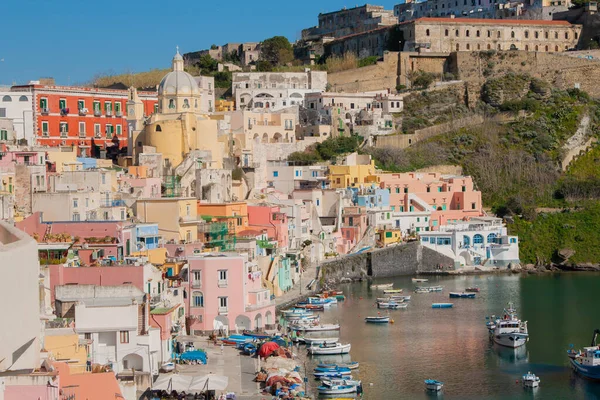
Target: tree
214,47
277,51
207,64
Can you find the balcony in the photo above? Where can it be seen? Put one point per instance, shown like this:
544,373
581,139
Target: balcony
64,112
108,113
255,307
83,112
64,135
97,113
119,113
45,111
223,311
196,284
222,283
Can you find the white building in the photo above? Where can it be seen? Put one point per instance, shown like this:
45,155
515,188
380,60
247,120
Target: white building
207,91
275,90
18,108
286,176
113,321
20,290
480,241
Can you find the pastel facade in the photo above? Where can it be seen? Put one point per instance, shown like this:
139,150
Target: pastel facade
354,171
16,108
370,197
234,214
177,217
354,224
224,294
286,177
270,218
480,241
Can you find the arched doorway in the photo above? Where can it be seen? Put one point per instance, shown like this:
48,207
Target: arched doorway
277,138
258,321
268,318
221,323
242,322
265,138
133,361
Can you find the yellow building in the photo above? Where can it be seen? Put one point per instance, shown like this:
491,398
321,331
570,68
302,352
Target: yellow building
355,170
224,105
64,345
177,217
388,236
178,127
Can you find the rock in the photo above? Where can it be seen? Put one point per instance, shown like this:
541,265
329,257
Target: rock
565,254
514,268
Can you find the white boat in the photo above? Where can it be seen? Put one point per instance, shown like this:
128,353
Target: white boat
303,318
432,384
321,340
316,328
435,288
530,380
509,331
421,290
330,348
382,286
392,291
342,381
296,311
390,305
419,280
337,389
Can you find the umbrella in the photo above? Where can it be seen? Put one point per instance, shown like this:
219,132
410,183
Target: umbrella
267,348
208,382
170,382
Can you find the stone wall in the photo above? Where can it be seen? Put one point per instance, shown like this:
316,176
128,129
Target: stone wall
383,75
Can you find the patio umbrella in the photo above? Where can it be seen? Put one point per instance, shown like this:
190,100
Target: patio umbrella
170,382
208,382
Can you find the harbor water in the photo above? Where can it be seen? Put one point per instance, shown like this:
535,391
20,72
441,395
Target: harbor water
453,345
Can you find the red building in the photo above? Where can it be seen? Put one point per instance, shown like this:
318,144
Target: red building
81,116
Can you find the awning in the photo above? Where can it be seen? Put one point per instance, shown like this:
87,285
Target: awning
209,382
171,382
189,384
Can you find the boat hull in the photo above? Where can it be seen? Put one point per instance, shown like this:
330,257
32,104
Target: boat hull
377,320
585,371
336,390
319,351
442,305
512,340
322,328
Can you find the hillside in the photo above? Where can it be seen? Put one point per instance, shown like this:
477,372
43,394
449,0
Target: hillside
516,164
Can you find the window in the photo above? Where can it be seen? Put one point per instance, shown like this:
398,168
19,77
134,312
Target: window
424,239
97,110
405,190
186,103
109,130
446,32
513,240
275,174
223,275
489,33
118,107
103,178
466,240
3,134
108,107
119,130
478,33
23,98
298,173
468,33
80,105
97,130
566,35
155,108
2,112
197,299
456,33
7,99
526,34
473,206
388,234
427,32
443,207
491,238
536,34
477,239
418,219
498,34
223,302
76,217
171,103
124,336
45,128
82,128
512,35
64,129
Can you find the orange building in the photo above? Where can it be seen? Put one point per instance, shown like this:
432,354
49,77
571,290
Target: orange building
235,214
81,116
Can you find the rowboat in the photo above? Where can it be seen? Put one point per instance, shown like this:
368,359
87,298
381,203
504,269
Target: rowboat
462,295
391,305
339,370
377,320
332,373
302,318
403,298
419,280
390,291
295,312
316,328
330,348
432,384
350,365
435,288
336,389
382,286
234,340
342,381
442,305
472,289
421,290
392,299
320,340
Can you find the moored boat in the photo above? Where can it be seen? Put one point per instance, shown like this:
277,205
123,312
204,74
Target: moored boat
382,286
509,331
435,288
392,291
350,365
474,289
530,380
391,305
432,384
257,335
316,328
330,348
462,295
377,320
342,381
336,389
421,290
419,280
442,305
311,307
587,362
310,341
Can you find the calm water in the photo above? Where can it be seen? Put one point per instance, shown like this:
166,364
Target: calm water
452,345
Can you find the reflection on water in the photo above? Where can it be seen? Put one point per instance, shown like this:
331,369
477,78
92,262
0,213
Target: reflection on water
453,345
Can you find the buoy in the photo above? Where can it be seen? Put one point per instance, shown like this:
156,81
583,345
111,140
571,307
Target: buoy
391,321
517,381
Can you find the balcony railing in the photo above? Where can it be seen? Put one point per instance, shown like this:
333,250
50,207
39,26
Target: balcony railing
45,111
83,111
108,113
196,284
223,311
97,113
82,134
255,307
222,283
119,113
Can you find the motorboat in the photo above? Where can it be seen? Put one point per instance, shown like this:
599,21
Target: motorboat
462,295
392,291
311,341
334,373
336,389
168,367
391,305
377,320
509,331
587,362
342,381
383,286
442,305
433,385
330,348
421,290
295,311
350,365
530,380
473,289
416,280
316,328
403,298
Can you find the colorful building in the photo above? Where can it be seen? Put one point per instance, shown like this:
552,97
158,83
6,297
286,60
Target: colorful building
224,105
177,217
270,218
234,214
354,224
355,170
370,197
388,236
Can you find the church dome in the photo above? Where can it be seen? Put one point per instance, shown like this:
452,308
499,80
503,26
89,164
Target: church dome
178,82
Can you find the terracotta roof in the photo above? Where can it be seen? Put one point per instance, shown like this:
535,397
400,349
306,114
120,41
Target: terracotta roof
100,386
467,21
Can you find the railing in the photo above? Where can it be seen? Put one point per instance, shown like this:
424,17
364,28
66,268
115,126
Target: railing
196,284
97,113
119,113
255,307
82,134
223,310
108,113
83,111
45,111
222,283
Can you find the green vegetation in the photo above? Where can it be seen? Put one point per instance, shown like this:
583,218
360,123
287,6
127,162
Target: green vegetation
207,66
140,80
276,51
365,62
327,150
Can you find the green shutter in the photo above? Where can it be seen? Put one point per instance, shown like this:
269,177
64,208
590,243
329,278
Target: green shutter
62,104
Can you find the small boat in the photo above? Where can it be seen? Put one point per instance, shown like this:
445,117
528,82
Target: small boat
419,280
302,317
435,288
530,380
391,291
330,348
473,289
442,305
390,305
337,389
331,374
339,370
294,311
350,365
377,320
311,307
400,298
421,290
382,286
462,295
316,328
168,367
343,381
433,385
587,362
257,335
234,340
310,341
249,349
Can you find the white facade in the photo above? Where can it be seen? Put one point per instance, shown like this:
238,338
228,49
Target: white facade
285,177
20,291
275,90
481,241
207,91
18,107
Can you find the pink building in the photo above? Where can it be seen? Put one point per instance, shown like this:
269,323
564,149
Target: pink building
354,224
449,198
224,294
271,219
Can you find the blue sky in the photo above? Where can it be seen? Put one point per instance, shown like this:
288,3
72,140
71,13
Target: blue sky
73,40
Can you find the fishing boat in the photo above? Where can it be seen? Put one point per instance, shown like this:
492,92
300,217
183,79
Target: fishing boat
257,335
435,288
442,305
297,312
249,349
433,385
316,328
419,280
403,298
474,289
509,331
392,291
330,348
336,389
421,290
382,286
340,370
342,381
234,340
311,341
311,307
530,380
350,365
391,305
587,362
462,295
332,373
377,320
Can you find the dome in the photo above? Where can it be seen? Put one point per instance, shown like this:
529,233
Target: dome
178,82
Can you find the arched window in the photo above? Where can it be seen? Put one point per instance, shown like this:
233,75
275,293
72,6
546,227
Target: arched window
546,35
466,240
23,98
186,103
477,239
489,33
456,33
427,32
555,35
7,99
526,47
197,299
536,47
446,32
489,46
546,48
468,33
478,46
491,238
566,35
158,128
555,48
171,103
457,47
468,46
478,33
526,34
576,35
498,34
512,35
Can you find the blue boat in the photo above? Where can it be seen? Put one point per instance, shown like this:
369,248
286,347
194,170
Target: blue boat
249,349
340,370
442,305
587,362
351,365
462,295
432,384
256,335
377,320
